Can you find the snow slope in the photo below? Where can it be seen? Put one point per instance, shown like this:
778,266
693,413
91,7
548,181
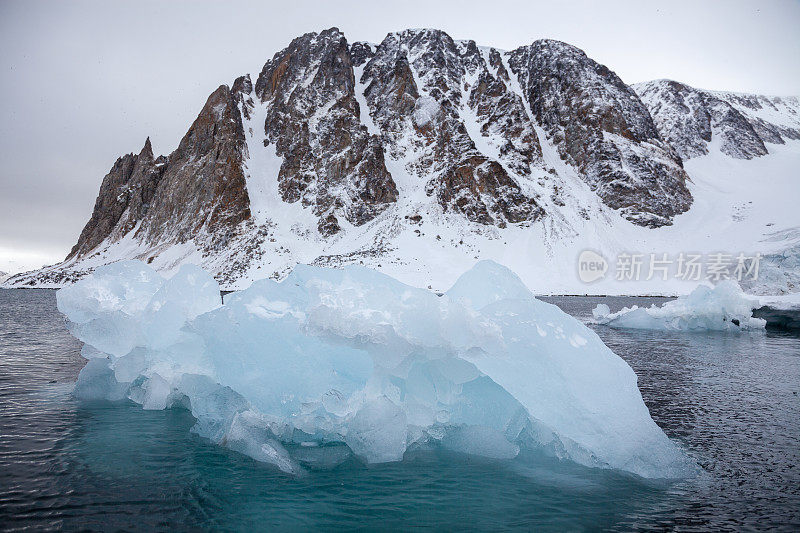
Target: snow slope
740,206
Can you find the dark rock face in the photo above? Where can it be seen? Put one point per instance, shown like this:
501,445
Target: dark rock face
688,119
361,52
330,161
203,186
503,113
418,89
124,198
600,126
197,191
774,107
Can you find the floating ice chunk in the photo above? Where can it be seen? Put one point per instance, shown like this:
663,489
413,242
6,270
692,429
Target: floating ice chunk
111,333
97,382
600,311
353,357
480,440
214,405
156,393
105,311
378,431
581,391
249,434
722,308
487,282
126,286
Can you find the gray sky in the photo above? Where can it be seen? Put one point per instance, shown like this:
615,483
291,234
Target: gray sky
85,82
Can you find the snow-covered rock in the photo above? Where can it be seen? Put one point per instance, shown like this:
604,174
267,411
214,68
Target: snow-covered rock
335,357
421,154
601,127
690,118
721,308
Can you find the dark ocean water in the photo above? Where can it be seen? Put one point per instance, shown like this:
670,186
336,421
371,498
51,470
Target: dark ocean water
730,400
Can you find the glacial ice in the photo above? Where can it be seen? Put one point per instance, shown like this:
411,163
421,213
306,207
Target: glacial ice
331,363
721,308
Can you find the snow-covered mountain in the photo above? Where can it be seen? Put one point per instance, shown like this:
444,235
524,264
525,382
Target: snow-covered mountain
689,119
420,155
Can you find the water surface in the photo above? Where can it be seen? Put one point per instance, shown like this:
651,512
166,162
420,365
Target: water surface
730,400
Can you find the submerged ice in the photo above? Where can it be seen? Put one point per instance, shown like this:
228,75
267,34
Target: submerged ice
331,363
721,308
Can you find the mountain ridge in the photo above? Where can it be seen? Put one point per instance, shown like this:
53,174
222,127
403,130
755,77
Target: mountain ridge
348,152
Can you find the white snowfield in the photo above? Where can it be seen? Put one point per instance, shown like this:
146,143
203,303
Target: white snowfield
331,363
721,308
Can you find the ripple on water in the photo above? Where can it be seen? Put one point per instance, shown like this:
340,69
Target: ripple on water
731,401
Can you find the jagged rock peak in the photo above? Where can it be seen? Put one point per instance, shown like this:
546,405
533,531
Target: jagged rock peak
331,163
242,85
203,190
147,150
196,193
600,126
690,119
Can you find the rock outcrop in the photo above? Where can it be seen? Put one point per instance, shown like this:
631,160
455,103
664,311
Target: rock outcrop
739,124
331,162
197,192
425,93
688,119
775,119
599,125
124,198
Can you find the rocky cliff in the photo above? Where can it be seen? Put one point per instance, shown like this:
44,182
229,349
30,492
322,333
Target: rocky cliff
341,152
601,127
198,191
690,119
331,162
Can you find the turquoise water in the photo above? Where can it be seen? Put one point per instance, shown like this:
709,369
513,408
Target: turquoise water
731,401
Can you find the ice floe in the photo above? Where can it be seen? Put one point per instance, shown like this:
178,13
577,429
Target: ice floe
331,363
721,308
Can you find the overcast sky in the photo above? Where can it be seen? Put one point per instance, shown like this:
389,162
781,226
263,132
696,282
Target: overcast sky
85,82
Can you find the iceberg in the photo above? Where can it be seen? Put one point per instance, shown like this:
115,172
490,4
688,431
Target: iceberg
333,363
721,308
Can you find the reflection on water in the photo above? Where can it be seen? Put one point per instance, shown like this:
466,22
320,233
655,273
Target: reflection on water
731,401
